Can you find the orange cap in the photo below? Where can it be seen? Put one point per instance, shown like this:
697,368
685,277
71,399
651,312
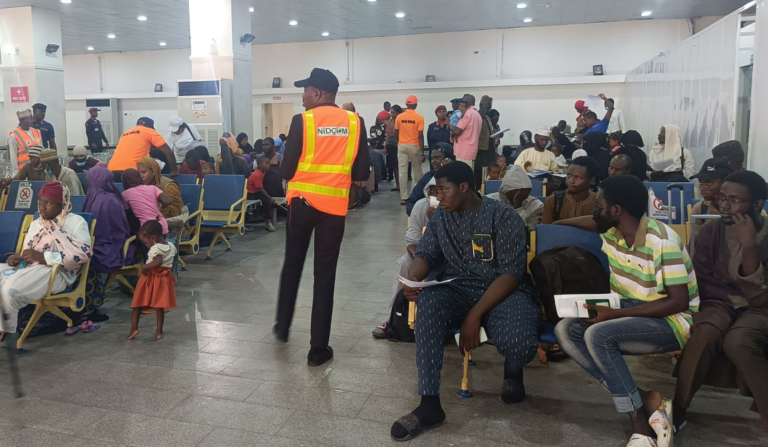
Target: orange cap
410,100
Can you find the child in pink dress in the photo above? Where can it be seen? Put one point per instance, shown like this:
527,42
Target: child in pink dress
142,199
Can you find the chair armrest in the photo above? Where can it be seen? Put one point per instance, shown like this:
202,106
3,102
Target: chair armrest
232,209
193,215
54,270
127,245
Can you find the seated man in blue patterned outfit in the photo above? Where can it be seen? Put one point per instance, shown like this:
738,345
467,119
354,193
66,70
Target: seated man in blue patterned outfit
481,245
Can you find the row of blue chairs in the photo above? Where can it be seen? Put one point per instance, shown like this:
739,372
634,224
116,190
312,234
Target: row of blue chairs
181,179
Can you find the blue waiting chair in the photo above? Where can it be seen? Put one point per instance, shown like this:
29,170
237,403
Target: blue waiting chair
83,181
538,187
192,196
184,179
11,236
660,191
77,203
223,213
13,196
120,187
72,297
492,186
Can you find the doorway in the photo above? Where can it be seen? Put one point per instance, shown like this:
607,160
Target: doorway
276,119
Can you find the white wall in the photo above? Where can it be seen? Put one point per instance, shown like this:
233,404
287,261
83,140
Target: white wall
535,74
757,156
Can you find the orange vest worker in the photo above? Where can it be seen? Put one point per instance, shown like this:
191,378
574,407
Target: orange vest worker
25,141
324,173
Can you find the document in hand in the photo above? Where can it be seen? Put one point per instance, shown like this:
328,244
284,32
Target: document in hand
483,337
422,284
664,164
500,132
572,306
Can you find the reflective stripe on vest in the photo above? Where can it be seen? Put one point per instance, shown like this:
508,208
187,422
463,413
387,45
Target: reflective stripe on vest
311,132
318,189
25,141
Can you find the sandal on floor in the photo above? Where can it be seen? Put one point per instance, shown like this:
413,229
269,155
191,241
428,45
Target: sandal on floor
380,332
73,330
413,426
661,423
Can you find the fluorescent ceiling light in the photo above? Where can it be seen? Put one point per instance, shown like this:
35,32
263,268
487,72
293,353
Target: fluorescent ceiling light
110,36
400,15
293,23
528,20
250,9
326,33
66,1
142,18
521,5
371,0
90,48
646,13
162,44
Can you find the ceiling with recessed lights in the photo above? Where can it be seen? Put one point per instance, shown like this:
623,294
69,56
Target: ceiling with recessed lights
87,23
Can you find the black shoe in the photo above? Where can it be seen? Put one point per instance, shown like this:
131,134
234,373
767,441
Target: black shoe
279,336
512,392
318,356
97,317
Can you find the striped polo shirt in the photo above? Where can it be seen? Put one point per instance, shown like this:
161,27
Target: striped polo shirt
658,259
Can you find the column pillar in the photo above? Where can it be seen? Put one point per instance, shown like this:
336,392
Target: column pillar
25,32
216,27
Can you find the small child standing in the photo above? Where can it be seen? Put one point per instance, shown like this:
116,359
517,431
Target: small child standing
494,171
155,289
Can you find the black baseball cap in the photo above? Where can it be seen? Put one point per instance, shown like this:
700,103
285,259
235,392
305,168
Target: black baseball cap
713,169
40,106
149,122
320,79
459,99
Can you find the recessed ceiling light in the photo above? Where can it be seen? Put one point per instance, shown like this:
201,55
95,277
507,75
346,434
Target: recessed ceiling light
110,36
528,20
250,9
326,33
66,1
521,5
646,13
90,48
142,18
400,15
293,23
371,0
162,44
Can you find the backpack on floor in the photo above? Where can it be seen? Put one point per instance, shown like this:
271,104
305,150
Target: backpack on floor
397,327
566,270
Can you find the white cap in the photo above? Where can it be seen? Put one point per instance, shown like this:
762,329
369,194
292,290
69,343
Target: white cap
79,151
543,131
578,153
176,121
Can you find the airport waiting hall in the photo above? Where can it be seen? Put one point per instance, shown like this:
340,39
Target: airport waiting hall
383,222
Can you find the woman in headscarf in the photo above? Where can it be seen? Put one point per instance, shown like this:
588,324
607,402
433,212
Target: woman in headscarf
670,162
631,146
581,126
105,202
515,191
229,162
56,237
150,175
243,144
258,149
597,148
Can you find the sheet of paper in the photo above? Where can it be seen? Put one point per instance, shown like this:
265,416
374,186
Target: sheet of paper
664,164
594,103
421,285
538,173
567,306
500,132
483,336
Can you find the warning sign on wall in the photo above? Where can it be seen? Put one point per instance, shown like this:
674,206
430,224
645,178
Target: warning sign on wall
24,196
19,94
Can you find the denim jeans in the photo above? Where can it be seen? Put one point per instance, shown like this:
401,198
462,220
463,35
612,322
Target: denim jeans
598,348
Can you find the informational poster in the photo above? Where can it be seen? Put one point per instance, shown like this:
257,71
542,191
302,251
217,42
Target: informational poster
24,196
20,94
656,208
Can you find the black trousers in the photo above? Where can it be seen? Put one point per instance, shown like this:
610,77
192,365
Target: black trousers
329,231
265,210
392,163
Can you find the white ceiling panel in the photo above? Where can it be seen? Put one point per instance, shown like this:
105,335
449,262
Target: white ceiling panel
87,22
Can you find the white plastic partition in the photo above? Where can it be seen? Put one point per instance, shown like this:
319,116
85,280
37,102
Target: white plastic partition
758,132
692,85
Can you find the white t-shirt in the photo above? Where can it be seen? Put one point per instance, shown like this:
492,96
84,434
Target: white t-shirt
181,144
166,251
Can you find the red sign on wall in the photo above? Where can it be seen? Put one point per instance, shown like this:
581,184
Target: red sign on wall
19,94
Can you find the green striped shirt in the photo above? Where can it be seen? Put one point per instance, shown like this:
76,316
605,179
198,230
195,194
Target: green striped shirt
657,259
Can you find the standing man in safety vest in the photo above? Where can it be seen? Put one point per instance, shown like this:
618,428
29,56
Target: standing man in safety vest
326,151
21,138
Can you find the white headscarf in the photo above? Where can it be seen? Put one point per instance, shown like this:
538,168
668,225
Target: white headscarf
516,178
578,153
673,139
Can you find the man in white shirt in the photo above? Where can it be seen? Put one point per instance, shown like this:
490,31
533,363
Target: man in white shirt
538,157
617,120
54,171
182,138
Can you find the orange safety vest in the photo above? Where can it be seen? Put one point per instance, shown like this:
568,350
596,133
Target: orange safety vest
25,141
324,173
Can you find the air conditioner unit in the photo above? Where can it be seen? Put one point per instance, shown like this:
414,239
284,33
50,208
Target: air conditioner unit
208,106
109,117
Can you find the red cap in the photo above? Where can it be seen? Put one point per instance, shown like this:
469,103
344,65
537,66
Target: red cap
411,100
94,109
439,108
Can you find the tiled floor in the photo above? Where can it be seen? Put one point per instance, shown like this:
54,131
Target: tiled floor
219,378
